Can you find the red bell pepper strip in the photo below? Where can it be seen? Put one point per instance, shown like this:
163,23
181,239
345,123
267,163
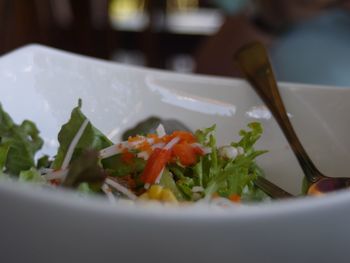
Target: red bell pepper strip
155,164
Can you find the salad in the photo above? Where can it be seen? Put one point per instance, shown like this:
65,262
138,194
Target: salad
178,167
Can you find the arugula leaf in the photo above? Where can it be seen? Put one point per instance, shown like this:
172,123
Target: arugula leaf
231,176
202,135
91,138
18,143
249,138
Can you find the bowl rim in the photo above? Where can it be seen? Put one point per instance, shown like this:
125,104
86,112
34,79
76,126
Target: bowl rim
70,200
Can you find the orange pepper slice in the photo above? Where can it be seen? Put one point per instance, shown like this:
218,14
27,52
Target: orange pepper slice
186,154
155,164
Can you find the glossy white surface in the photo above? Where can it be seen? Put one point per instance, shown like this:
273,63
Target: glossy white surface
43,85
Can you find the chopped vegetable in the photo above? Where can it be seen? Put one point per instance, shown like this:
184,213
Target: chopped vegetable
180,166
91,138
186,153
18,144
155,165
85,169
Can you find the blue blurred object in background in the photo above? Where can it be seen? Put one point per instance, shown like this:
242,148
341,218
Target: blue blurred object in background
232,7
316,51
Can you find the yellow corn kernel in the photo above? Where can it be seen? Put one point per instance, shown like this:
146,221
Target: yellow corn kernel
168,196
155,192
144,196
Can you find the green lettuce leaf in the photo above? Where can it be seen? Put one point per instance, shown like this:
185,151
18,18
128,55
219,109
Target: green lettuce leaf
91,138
203,135
18,144
168,181
4,149
85,189
249,138
43,162
117,167
32,175
85,169
185,186
229,176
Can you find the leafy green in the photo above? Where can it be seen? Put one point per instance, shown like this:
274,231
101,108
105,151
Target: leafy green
250,192
18,144
185,186
249,138
91,138
168,182
202,135
32,175
142,128
230,176
85,169
117,167
43,162
213,173
4,149
85,188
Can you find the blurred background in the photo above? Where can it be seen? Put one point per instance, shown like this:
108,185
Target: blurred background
308,39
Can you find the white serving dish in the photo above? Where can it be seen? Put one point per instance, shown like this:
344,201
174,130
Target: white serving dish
36,225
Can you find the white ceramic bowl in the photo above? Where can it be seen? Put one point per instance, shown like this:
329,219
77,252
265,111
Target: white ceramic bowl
37,225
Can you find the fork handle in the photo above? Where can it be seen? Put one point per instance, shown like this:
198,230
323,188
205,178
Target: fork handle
254,63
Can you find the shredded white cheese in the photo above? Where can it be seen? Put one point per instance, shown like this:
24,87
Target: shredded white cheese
121,188
228,152
160,131
158,145
107,190
197,189
159,176
205,150
73,144
240,150
144,155
110,151
59,174
118,148
172,143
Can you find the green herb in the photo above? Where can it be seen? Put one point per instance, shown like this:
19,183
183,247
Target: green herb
168,181
91,138
18,144
229,176
85,169
32,175
117,167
